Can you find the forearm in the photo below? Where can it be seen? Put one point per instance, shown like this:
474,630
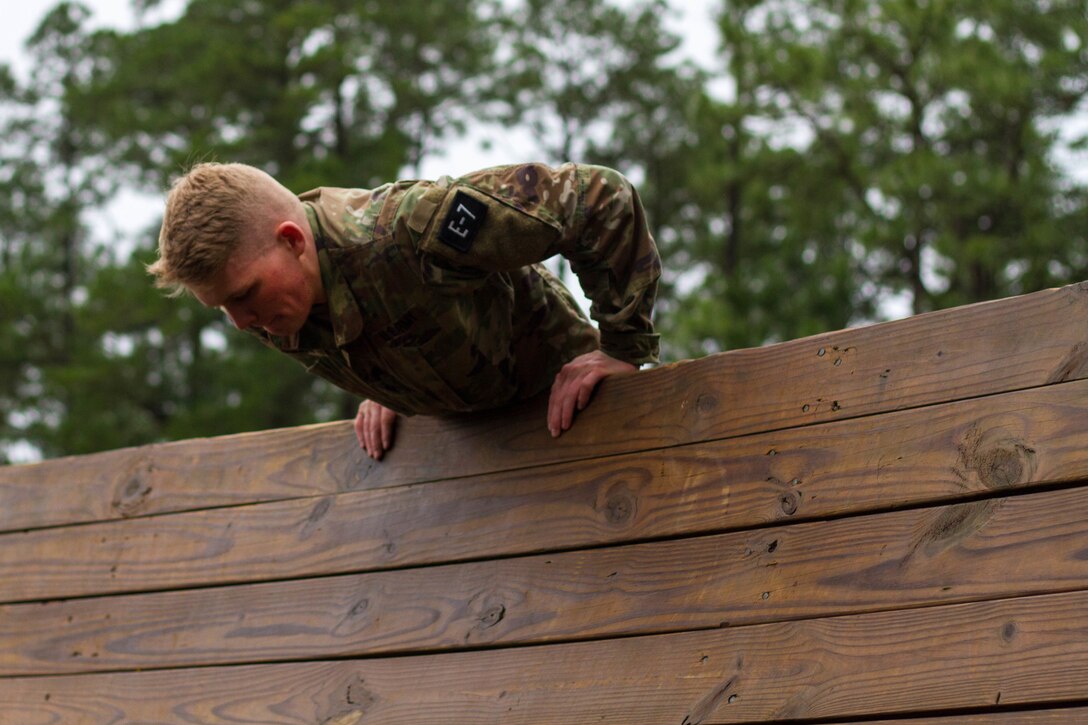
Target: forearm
609,245
518,215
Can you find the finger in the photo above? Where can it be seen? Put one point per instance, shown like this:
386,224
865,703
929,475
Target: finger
368,430
554,408
359,434
360,425
376,448
586,388
388,420
366,436
570,398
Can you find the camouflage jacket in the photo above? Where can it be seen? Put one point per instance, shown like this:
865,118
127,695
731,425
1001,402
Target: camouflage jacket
436,303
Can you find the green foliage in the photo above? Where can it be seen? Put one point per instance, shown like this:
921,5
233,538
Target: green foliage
938,115
331,93
574,68
877,150
149,367
845,153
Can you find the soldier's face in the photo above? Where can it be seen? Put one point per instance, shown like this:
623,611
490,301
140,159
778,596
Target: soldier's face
264,286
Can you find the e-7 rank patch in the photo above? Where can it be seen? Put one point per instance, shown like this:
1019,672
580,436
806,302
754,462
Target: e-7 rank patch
463,222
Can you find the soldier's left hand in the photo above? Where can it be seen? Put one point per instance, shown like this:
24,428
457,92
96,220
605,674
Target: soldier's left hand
374,427
574,386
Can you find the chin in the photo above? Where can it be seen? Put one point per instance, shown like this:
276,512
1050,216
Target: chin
282,328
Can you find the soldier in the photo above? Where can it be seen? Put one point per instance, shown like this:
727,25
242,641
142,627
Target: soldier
425,297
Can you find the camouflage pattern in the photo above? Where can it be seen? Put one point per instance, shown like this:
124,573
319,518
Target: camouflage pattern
421,325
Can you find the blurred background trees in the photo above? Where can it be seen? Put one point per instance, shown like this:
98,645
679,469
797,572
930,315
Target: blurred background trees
843,162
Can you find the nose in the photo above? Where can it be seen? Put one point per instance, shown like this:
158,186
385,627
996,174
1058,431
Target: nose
239,316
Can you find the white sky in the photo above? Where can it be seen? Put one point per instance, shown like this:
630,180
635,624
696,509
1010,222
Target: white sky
692,20
131,213
20,19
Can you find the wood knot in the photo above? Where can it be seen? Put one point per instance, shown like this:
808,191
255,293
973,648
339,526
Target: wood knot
355,621
485,610
313,521
954,524
492,616
789,502
620,504
1073,367
619,508
130,497
705,708
1001,467
350,703
1008,632
706,403
997,459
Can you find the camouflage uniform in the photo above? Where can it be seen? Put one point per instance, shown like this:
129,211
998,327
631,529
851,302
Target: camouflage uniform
436,303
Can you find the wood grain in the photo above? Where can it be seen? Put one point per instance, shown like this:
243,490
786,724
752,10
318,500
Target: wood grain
183,475
990,549
941,356
874,523
965,352
941,453
1072,715
1023,651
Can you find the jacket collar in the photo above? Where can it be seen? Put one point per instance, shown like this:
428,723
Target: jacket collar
344,312
345,319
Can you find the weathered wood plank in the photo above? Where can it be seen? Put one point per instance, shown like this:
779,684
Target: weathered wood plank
995,548
184,475
916,456
952,354
1023,651
1074,715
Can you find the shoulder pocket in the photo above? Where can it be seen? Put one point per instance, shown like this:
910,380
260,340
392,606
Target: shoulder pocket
475,229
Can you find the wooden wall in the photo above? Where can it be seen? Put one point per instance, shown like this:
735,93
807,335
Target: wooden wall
874,524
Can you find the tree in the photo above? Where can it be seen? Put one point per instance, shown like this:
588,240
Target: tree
939,118
571,67
332,93
871,151
51,175
864,151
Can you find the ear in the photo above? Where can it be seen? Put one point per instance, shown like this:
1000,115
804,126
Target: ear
292,235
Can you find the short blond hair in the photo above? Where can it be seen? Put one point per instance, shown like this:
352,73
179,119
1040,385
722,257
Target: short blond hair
211,212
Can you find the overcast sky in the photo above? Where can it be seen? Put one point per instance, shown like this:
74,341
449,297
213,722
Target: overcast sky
691,18
20,19
131,213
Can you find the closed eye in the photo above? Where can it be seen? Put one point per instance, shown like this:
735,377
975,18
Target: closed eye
243,295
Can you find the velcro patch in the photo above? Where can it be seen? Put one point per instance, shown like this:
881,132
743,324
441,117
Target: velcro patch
463,221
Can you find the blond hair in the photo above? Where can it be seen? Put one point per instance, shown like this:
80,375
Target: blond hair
211,212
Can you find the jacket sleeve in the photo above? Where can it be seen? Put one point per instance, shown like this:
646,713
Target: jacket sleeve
507,217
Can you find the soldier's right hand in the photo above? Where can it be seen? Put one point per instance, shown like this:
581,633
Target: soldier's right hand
374,427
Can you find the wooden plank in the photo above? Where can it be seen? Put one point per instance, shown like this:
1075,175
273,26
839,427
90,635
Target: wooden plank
964,352
183,475
916,456
989,549
1074,715
1023,651
952,354
924,455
